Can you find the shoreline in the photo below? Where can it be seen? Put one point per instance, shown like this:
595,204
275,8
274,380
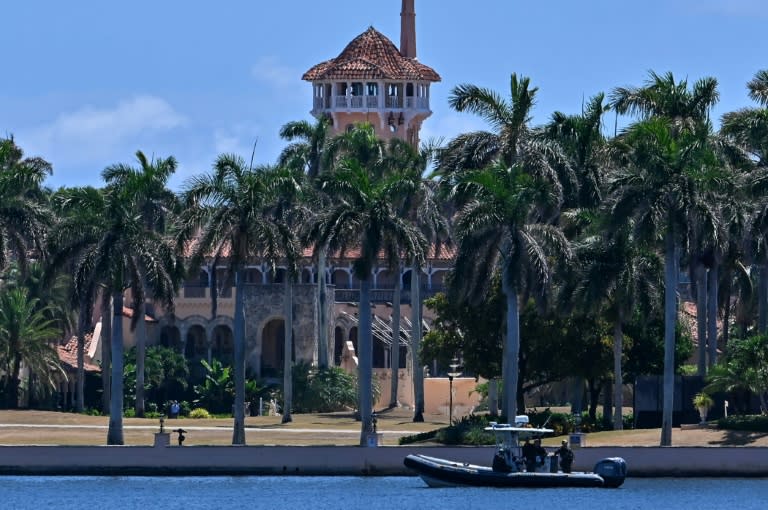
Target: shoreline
350,460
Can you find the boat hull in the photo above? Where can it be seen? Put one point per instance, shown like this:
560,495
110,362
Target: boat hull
445,473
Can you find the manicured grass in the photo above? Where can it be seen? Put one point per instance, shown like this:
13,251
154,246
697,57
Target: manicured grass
306,429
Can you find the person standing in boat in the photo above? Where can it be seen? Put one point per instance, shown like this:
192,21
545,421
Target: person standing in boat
566,456
539,453
529,455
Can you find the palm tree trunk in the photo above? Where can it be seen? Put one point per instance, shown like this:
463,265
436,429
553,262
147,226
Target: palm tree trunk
365,360
322,311
238,429
214,290
418,370
701,317
288,352
81,319
618,378
712,290
13,383
762,295
106,351
670,321
141,353
511,351
493,397
395,347
115,431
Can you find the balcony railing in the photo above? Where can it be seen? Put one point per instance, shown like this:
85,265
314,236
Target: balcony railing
383,295
370,103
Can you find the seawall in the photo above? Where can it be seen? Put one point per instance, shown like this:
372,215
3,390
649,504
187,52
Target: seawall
351,460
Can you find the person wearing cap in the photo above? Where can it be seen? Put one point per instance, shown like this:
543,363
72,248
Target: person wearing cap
566,456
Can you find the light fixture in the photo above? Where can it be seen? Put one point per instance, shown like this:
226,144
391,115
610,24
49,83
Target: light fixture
401,119
453,373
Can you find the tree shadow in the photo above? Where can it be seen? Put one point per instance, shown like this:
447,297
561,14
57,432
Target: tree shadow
738,438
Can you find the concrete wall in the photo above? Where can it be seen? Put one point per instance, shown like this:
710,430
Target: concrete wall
350,460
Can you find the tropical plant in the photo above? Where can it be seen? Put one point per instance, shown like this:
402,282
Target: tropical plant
231,211
27,339
154,203
110,248
308,153
365,215
665,167
216,393
24,215
508,187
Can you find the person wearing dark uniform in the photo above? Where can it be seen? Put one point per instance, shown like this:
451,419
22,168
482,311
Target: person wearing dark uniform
529,455
566,456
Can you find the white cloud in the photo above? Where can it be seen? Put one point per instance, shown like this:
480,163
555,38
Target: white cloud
272,72
98,130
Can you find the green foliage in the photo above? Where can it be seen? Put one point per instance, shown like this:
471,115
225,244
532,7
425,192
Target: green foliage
326,390
25,340
216,393
199,413
702,400
165,376
744,367
473,331
752,423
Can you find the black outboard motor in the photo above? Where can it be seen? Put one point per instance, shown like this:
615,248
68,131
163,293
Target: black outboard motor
612,470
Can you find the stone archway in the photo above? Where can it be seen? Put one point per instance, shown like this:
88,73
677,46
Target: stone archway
223,345
196,350
272,348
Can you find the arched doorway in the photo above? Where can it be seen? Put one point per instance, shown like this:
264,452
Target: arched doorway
222,345
195,351
272,348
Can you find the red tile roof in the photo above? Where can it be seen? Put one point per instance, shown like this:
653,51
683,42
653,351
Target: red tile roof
371,56
68,355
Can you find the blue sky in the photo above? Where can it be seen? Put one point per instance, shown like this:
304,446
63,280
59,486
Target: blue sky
86,83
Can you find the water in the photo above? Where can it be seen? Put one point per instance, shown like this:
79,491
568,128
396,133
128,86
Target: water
374,493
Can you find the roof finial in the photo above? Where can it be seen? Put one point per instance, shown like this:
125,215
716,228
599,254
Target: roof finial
408,30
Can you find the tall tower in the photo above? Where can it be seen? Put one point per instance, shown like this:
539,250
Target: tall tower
408,30
372,81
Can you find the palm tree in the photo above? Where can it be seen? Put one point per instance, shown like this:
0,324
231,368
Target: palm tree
748,128
308,152
229,213
154,202
502,228
617,274
661,180
365,216
110,248
26,338
508,186
24,216
666,156
72,219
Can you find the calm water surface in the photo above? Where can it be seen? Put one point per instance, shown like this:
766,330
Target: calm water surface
385,493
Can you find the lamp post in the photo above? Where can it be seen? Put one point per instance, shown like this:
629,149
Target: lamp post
453,373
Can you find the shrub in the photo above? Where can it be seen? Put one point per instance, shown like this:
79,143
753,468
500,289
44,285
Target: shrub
752,423
199,413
